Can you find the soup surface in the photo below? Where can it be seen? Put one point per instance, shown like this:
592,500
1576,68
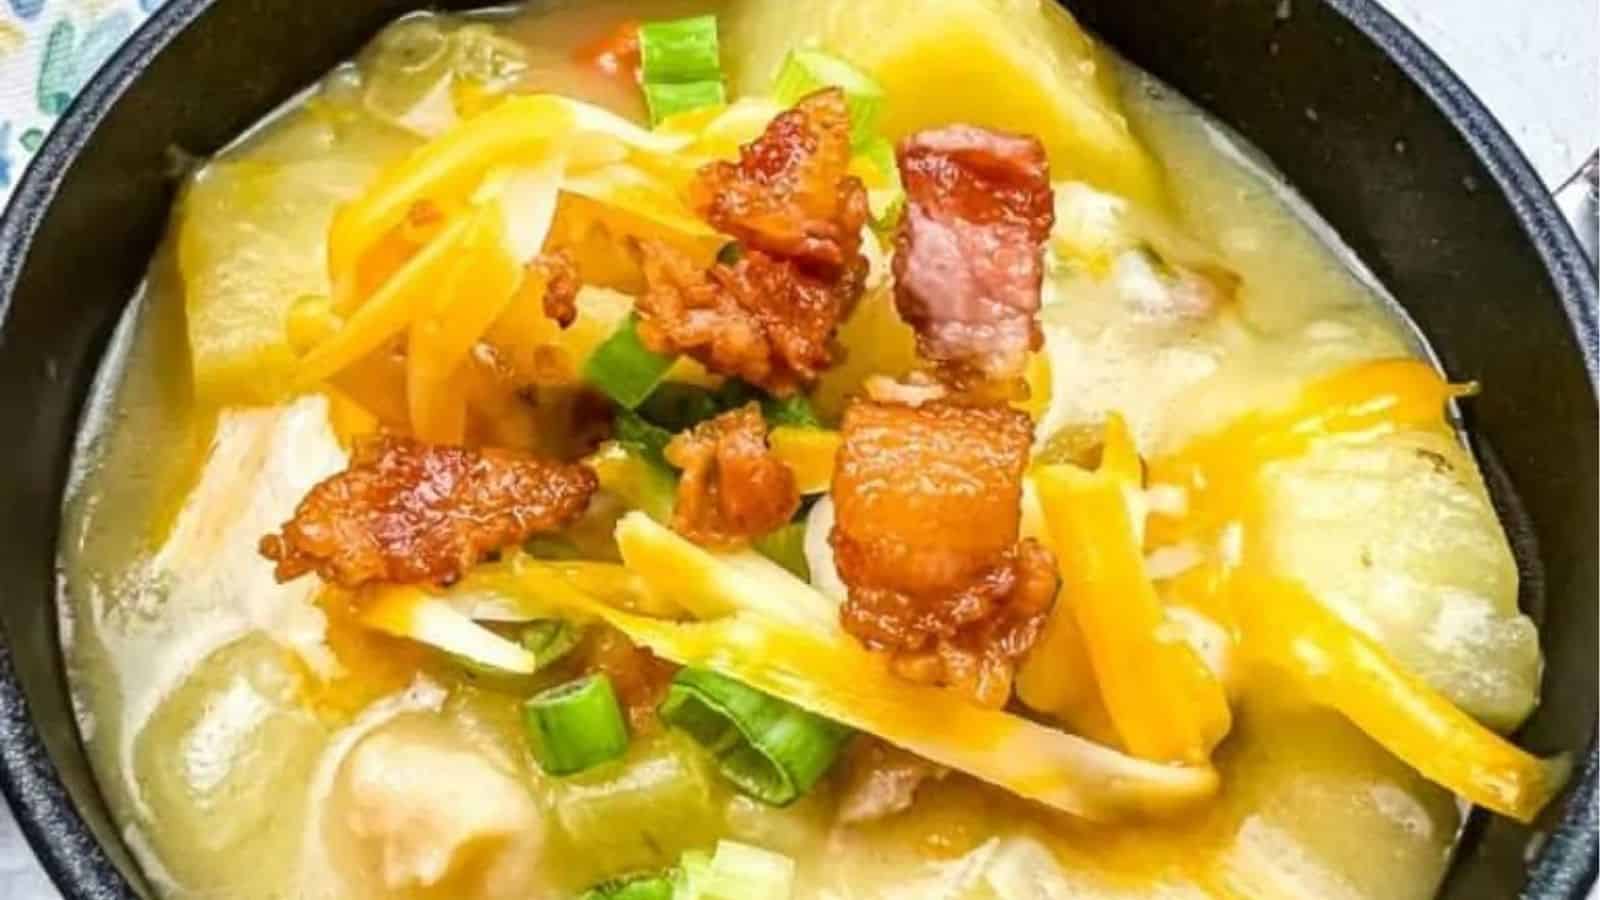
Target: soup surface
757,449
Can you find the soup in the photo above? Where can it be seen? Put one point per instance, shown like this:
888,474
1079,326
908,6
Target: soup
725,450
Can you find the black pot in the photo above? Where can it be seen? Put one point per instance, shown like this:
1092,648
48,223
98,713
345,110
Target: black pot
1370,126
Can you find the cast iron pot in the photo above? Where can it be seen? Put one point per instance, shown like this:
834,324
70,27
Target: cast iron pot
1368,124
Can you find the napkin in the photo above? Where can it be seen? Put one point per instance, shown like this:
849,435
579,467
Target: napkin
48,50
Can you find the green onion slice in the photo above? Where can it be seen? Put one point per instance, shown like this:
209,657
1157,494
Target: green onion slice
806,71
639,482
886,208
638,887
623,368
648,440
680,51
681,66
787,547
575,726
794,409
880,152
549,640
767,748
676,406
667,99
884,203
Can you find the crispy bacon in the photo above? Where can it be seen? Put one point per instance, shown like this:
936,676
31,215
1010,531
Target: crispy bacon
967,262
408,512
732,488
768,316
927,502
789,195
639,677
761,319
988,626
561,283
615,54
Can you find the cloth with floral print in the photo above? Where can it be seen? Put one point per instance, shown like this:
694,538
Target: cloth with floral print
48,50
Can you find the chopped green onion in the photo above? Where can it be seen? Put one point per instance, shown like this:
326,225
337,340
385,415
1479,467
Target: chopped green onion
676,406
548,640
794,409
681,66
885,207
666,99
649,441
575,726
735,872
880,152
638,887
806,71
730,253
786,547
767,748
884,203
640,483
680,50
623,368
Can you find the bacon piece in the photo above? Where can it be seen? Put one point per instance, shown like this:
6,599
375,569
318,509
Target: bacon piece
408,512
768,316
732,488
615,54
789,195
639,677
967,261
928,496
988,626
761,319
927,501
561,284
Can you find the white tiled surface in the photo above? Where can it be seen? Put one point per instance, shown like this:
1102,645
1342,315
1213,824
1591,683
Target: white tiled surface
1536,63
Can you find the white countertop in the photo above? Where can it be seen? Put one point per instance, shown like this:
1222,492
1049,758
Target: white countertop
1535,63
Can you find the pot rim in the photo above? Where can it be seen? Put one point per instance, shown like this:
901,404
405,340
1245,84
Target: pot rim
81,868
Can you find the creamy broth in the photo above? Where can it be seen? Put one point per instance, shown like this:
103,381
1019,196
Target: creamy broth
238,726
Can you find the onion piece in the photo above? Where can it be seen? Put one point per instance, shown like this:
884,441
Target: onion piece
835,678
773,632
417,615
819,551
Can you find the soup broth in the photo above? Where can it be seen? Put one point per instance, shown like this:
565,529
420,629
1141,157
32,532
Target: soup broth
261,739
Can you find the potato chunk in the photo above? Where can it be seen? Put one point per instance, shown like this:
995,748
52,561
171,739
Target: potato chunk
1399,537
252,238
418,811
220,762
1017,65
